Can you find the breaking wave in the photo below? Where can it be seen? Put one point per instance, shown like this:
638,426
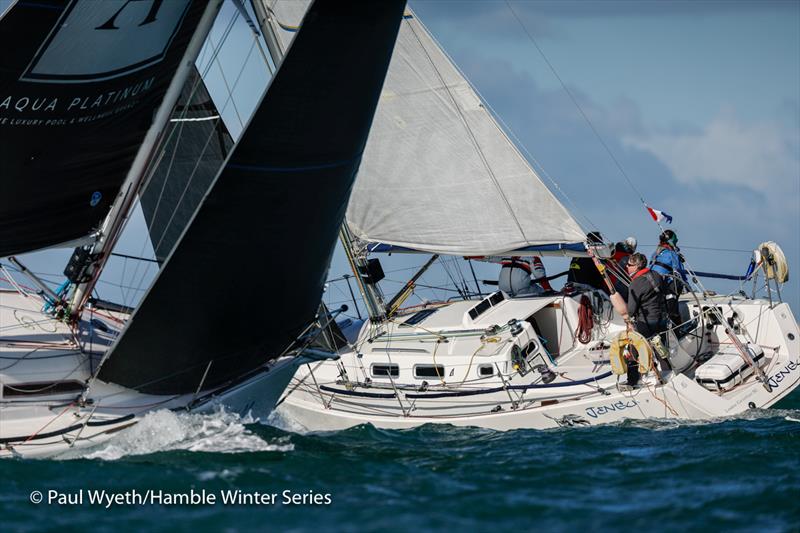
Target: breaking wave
160,431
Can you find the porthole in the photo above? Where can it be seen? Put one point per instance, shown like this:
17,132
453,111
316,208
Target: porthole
485,371
384,370
42,388
428,371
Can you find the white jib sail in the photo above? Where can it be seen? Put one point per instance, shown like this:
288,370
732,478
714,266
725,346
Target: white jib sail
439,175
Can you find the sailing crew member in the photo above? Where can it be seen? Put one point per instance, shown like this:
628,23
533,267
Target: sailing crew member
617,272
624,250
583,269
668,262
539,274
520,277
647,308
647,311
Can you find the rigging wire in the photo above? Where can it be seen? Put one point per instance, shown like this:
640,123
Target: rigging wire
225,79
165,142
575,102
169,138
452,279
694,279
205,147
733,250
216,47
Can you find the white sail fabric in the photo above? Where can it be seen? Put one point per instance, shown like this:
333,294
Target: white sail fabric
286,18
438,174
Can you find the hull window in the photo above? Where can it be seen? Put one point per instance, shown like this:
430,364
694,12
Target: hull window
428,371
384,370
485,371
42,388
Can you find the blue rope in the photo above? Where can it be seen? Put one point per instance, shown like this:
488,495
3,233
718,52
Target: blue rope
60,291
721,276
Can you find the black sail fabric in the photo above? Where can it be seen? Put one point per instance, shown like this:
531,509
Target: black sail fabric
197,143
80,83
247,276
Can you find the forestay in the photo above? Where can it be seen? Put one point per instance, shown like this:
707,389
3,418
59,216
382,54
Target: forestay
439,174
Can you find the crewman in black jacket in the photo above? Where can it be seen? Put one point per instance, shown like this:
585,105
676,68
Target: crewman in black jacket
647,310
647,307
583,270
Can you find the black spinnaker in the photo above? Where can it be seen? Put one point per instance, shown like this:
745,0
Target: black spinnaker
247,276
80,82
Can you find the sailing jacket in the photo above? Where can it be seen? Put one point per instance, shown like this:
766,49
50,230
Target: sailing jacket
515,276
583,270
646,297
666,260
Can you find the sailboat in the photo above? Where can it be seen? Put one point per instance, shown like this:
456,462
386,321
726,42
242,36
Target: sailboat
441,177
88,98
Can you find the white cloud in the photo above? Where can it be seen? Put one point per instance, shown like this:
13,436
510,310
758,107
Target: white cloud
736,184
761,156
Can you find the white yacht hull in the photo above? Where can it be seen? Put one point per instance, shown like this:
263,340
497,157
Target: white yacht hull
39,351
681,398
320,400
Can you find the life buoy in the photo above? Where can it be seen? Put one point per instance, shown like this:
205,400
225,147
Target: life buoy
626,344
778,268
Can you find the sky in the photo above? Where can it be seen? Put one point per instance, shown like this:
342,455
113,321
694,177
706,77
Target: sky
698,103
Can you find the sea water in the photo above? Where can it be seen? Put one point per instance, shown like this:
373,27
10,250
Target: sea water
220,472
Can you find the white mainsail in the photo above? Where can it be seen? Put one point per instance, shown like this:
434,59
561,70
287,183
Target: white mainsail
439,175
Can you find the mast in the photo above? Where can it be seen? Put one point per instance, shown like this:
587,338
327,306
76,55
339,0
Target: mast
369,289
267,29
112,226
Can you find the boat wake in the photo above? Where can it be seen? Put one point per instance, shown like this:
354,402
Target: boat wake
161,431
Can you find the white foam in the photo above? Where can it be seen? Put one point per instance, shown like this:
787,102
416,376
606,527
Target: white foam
159,431
225,474
281,419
